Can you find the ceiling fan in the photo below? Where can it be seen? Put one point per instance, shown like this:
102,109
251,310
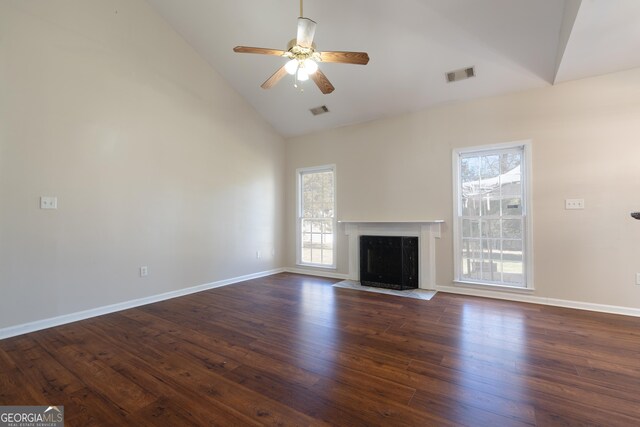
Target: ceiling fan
303,57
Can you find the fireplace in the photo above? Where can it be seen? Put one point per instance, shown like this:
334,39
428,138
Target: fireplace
427,231
389,262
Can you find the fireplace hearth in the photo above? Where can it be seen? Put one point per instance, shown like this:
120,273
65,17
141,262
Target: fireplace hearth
389,262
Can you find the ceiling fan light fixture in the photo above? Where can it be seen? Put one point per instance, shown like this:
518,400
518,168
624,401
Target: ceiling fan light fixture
291,66
303,58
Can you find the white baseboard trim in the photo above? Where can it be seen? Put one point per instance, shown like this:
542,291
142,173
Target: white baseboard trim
504,295
318,273
37,325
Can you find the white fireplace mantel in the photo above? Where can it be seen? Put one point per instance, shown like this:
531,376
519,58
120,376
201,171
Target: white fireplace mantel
426,231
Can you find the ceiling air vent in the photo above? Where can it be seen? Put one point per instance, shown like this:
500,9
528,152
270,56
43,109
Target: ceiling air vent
461,74
319,110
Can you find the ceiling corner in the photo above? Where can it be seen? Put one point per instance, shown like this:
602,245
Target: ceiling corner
571,9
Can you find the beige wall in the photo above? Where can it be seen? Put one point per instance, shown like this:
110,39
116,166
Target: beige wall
586,144
154,159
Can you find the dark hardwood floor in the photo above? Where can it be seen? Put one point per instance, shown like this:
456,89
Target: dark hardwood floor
293,350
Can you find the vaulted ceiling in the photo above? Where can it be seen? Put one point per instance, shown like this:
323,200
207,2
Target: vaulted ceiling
514,45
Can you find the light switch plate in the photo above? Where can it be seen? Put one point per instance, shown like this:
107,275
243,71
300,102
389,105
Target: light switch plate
572,204
48,202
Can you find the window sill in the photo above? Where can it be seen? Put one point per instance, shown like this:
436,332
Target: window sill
324,267
493,287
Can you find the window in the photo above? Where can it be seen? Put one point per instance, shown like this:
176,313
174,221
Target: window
316,216
492,225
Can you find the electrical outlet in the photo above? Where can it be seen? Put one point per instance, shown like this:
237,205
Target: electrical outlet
638,279
572,204
48,202
144,271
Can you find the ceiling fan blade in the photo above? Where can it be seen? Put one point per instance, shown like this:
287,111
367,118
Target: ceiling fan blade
360,58
275,78
260,50
323,82
306,31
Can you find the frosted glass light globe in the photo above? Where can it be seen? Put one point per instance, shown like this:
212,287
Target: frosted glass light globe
291,66
310,66
302,75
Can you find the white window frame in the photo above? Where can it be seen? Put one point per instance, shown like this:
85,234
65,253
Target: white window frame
299,173
526,213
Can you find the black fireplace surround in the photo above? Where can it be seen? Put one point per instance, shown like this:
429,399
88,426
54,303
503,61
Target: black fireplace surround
389,262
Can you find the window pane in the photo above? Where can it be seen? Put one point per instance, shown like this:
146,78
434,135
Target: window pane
489,175
471,259
512,228
307,198
490,206
511,247
306,179
510,164
512,206
491,228
306,247
470,228
469,172
470,191
513,267
327,210
315,240
492,256
471,206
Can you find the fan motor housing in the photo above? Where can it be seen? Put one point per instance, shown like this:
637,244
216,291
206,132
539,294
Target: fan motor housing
300,52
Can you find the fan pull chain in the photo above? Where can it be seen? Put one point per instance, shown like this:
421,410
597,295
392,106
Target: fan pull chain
301,14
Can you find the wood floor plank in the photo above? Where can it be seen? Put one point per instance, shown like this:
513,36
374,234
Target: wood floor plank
97,375
299,398
86,407
462,414
376,411
472,394
292,350
47,375
322,367
204,408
